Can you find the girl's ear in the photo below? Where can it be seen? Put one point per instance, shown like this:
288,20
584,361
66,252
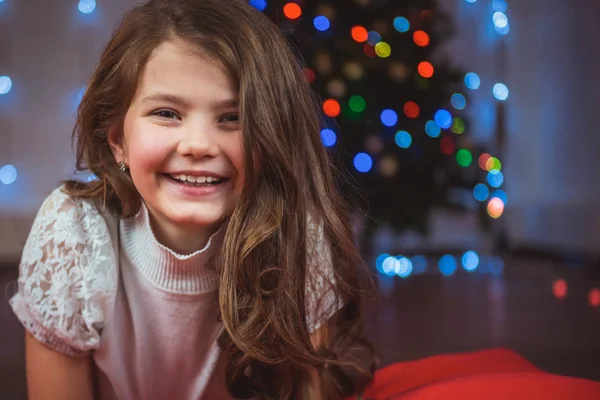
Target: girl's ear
116,143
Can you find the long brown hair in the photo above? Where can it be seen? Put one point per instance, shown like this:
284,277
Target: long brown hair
264,262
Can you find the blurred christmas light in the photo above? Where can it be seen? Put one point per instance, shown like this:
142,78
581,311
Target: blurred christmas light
472,80
464,157
321,23
401,24
419,264
495,266
8,174
379,261
432,129
383,50
470,1
357,104
412,109
458,101
259,4
363,162
443,118
458,125
447,265
493,164
390,266
500,19
495,178
292,11
369,50
495,207
389,117
388,166
483,159
481,192
331,108
328,137
559,289
502,31
500,91
336,88
359,34
403,139
421,38
447,145
353,70
5,84
86,6
470,261
309,74
405,267
373,38
594,297
501,194
425,69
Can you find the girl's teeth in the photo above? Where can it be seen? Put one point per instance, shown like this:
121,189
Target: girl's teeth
195,179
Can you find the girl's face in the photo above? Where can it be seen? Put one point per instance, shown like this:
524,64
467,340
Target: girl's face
183,145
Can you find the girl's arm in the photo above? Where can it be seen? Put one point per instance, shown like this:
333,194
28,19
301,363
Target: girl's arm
317,338
52,375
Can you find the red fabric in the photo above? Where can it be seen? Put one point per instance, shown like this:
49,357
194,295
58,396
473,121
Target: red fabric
497,374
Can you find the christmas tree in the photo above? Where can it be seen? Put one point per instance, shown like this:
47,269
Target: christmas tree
392,104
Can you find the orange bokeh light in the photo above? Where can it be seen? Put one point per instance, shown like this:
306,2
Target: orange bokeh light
560,289
421,38
331,108
411,109
425,69
495,207
292,10
360,34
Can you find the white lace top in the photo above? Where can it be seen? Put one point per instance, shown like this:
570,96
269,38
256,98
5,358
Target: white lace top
92,284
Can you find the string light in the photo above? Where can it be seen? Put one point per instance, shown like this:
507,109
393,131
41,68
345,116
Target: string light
389,117
472,81
5,84
425,69
401,24
86,6
359,34
328,137
321,23
331,107
403,139
292,11
412,109
421,38
8,174
363,162
259,4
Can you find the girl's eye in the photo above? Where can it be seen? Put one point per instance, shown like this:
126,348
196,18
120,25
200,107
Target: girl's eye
165,114
231,118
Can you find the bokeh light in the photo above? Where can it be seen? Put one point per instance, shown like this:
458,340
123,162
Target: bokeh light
401,24
86,6
5,84
470,261
472,80
309,74
458,125
419,264
458,101
594,297
499,5
560,289
321,23
389,117
464,157
447,145
390,266
443,118
500,19
483,159
403,139
492,164
421,38
259,4
8,174
495,207
328,137
331,107
412,109
357,104
292,10
373,38
360,34
404,267
383,50
447,265
495,178
501,194
363,162
500,91
379,261
481,192
432,129
425,69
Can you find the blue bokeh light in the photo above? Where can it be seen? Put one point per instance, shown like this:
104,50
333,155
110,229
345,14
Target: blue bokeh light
472,81
470,1
458,101
390,266
500,91
447,265
5,84
495,178
321,23
405,267
373,38
502,30
419,264
499,5
501,194
401,24
259,4
481,192
86,6
389,117
8,174
432,129
443,118
328,137
470,260
500,19
379,261
363,162
403,139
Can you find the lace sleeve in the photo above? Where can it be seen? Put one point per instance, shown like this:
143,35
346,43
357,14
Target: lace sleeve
67,275
321,299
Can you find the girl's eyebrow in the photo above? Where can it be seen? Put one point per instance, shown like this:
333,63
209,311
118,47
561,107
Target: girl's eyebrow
183,102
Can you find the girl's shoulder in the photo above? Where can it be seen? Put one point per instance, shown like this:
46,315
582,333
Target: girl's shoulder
68,273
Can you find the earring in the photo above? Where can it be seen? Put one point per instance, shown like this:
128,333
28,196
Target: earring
122,166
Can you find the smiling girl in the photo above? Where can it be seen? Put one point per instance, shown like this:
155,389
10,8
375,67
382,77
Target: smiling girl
212,258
